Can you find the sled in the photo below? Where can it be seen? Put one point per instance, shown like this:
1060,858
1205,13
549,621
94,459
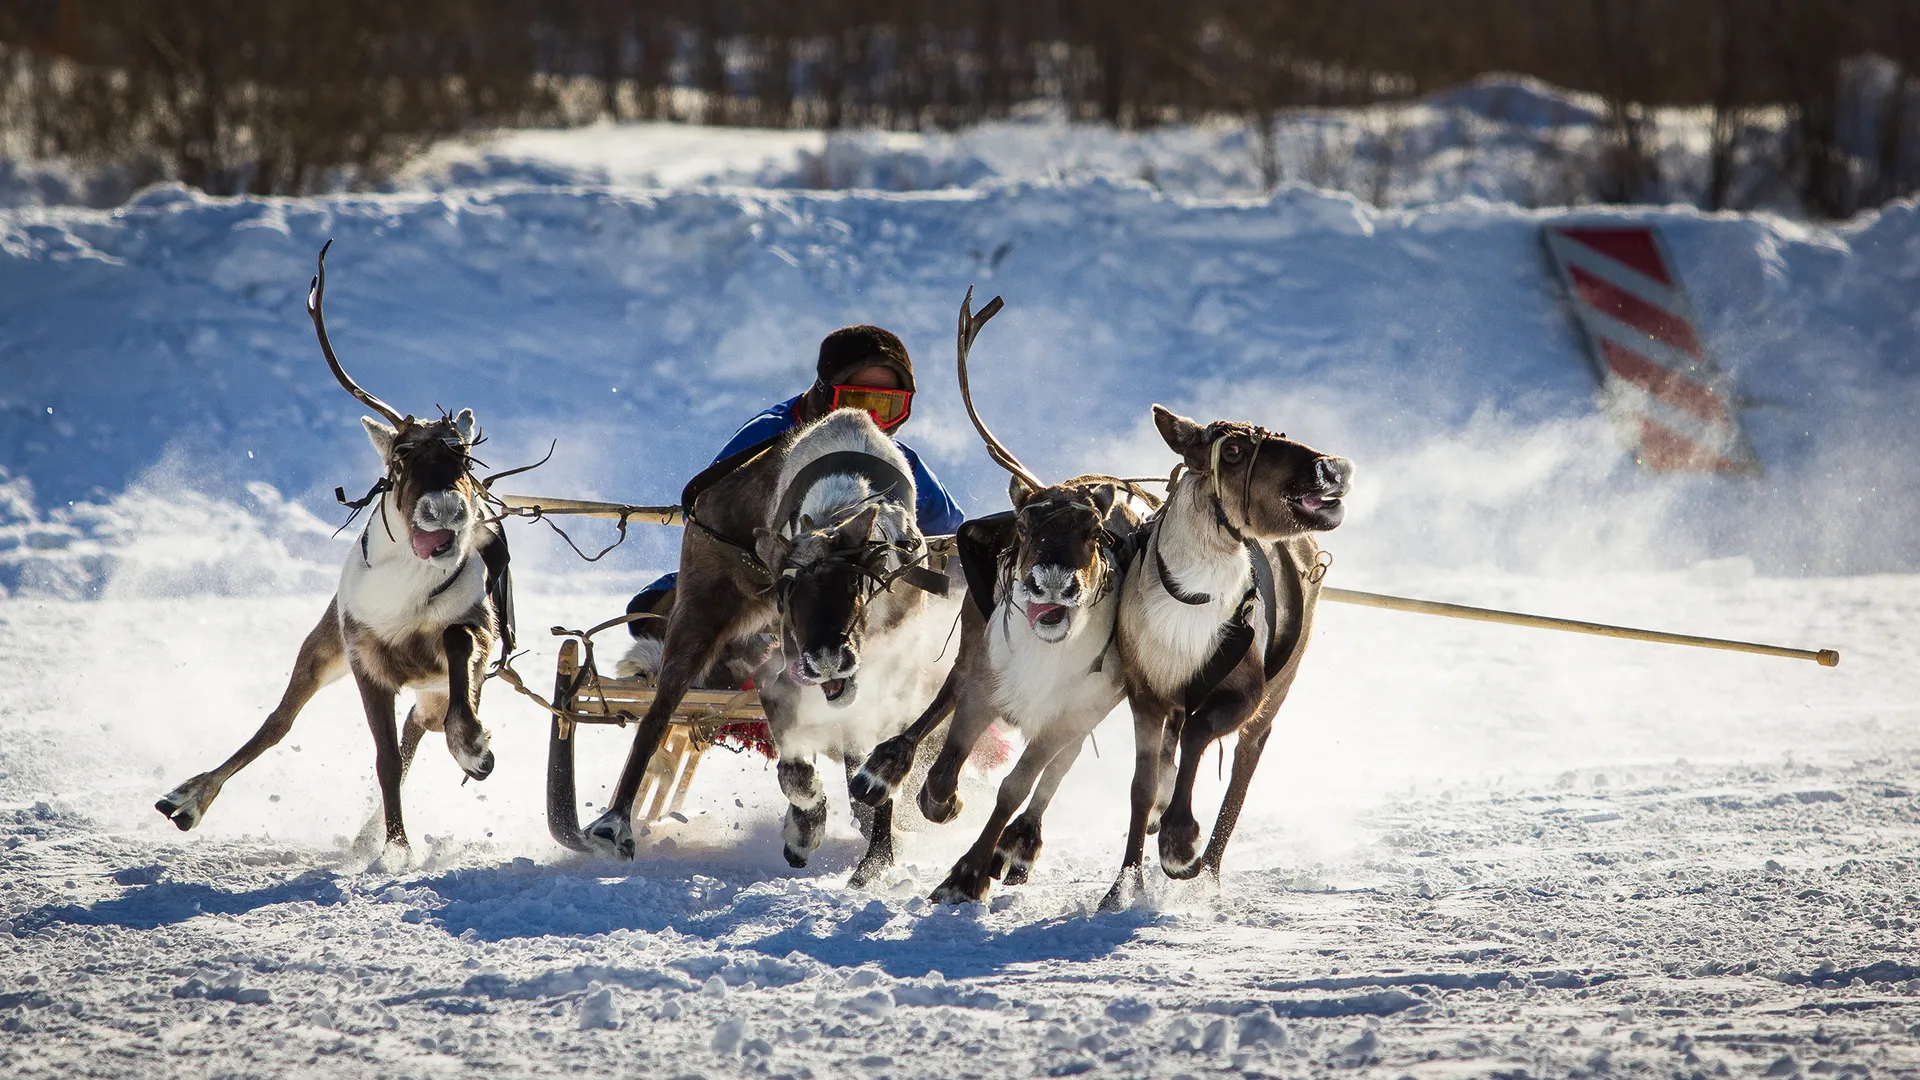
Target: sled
582,696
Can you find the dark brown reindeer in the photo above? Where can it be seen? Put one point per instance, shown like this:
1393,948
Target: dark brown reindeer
1215,615
1037,648
423,595
834,580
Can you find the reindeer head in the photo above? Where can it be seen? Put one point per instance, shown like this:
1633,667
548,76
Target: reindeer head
823,578
430,476
429,464
1059,550
1266,486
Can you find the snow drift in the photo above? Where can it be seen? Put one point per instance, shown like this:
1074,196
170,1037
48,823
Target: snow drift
160,353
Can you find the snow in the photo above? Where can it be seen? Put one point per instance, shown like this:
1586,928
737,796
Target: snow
1470,849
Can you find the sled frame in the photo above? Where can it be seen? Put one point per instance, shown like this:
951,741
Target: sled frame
600,699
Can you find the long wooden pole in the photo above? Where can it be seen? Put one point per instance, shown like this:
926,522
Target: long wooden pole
1823,657
672,515
540,504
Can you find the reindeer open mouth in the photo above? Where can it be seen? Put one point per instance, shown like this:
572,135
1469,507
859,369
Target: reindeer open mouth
431,544
1047,615
835,689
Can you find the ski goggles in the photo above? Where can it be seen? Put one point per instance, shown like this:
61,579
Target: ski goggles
888,407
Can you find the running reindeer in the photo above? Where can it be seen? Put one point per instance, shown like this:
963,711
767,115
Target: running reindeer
423,595
1037,648
852,623
1215,615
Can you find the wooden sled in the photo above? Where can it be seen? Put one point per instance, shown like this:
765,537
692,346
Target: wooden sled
602,699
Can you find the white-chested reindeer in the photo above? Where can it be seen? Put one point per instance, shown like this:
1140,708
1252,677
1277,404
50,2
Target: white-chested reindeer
423,596
1215,616
1037,648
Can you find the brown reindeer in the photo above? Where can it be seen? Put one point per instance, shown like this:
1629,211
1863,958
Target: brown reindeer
423,595
834,581
1037,649
1215,615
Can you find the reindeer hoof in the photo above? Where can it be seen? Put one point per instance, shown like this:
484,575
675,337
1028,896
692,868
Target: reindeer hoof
1126,888
1178,839
611,836
394,858
938,810
1019,847
186,804
964,885
869,868
802,832
880,777
480,769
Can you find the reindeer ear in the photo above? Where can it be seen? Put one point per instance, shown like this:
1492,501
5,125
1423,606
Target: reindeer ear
859,529
1019,491
1184,436
465,425
381,436
1104,496
771,547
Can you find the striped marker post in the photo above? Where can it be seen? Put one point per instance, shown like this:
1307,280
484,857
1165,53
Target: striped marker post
1657,379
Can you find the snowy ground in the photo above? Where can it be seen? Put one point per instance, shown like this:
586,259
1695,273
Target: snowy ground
1476,851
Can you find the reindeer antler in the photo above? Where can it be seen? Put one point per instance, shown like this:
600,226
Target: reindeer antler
316,293
970,325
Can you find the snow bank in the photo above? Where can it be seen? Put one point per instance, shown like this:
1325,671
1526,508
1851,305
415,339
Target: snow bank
638,329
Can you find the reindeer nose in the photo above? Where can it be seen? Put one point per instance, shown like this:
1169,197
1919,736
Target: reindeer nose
1334,473
1032,581
1071,589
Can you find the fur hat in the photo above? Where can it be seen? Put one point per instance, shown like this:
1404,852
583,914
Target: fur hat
846,351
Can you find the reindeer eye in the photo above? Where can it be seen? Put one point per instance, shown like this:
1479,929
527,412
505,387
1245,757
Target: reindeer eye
1233,452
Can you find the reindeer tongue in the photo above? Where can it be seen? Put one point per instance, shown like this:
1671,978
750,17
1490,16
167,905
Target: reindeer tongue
428,544
1048,613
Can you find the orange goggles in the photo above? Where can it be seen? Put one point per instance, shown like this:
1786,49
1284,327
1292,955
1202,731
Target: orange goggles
888,407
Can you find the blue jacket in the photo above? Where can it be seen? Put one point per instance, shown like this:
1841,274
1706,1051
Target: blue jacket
936,511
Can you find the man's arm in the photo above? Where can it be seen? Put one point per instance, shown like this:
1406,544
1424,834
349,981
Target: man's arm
935,509
775,420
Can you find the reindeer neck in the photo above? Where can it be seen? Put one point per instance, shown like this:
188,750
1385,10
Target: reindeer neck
1192,543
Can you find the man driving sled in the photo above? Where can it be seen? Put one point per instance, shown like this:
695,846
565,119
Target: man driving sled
860,367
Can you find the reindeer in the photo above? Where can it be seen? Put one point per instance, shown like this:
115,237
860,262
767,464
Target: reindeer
423,595
1215,614
1037,648
835,574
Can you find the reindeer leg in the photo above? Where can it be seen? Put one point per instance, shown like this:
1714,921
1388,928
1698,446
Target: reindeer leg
967,881
694,640
322,659
465,738
378,701
890,762
411,733
940,794
1246,758
1169,745
1223,712
1019,846
807,810
879,855
1149,726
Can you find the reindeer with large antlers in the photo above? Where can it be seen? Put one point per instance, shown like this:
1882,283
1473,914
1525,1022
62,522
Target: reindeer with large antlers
1037,649
423,596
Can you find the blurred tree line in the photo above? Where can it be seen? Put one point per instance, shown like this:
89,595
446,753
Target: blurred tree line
269,96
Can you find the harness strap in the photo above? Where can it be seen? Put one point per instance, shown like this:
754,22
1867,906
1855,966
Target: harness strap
1167,581
451,578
